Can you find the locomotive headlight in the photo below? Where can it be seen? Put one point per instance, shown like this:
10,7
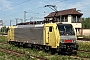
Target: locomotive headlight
62,41
74,40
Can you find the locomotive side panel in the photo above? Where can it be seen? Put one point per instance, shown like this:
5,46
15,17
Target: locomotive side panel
32,35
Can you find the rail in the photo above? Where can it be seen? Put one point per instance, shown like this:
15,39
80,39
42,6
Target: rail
84,39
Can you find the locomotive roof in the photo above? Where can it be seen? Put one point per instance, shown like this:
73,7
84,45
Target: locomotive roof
26,26
37,25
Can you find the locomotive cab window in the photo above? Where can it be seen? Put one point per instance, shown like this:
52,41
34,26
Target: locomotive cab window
50,29
65,29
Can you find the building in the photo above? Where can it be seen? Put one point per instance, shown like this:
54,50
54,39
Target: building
71,16
1,23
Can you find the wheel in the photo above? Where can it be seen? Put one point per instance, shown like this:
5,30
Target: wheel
53,51
47,48
74,52
69,52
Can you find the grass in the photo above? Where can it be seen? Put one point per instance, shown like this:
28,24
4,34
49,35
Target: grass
84,46
3,39
5,56
83,54
35,52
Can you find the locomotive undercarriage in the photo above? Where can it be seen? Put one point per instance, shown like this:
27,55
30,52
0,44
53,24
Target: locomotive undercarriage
67,48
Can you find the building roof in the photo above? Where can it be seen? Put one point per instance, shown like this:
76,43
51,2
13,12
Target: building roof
65,12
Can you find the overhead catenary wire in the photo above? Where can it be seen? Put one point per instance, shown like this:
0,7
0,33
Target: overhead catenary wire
22,3
14,5
62,0
20,12
34,8
27,10
83,5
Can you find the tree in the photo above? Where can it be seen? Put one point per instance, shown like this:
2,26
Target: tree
86,23
4,29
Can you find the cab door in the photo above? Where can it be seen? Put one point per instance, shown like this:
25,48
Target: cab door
47,35
11,34
50,36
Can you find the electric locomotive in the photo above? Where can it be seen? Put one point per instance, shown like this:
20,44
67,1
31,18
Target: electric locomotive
50,36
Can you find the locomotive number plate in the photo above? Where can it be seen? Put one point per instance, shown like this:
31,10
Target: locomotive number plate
67,41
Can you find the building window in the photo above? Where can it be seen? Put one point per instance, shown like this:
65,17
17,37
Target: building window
64,19
76,19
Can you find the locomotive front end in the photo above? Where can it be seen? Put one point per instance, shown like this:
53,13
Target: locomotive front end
67,38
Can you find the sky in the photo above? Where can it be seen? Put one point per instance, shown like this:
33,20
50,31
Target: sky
35,10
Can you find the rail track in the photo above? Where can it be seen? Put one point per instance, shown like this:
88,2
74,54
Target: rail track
83,51
78,57
84,39
19,54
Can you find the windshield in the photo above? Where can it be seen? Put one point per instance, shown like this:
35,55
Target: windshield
65,29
